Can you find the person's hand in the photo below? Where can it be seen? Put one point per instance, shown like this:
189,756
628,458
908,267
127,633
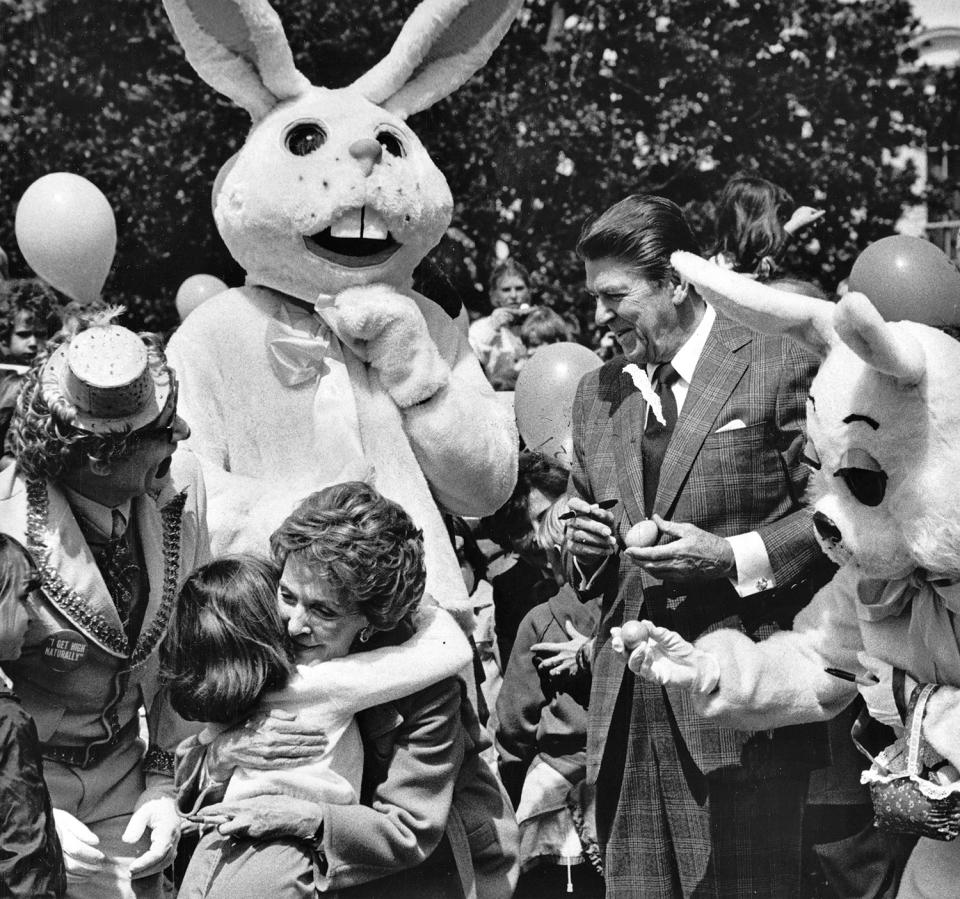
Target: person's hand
589,535
941,724
802,217
387,330
691,555
159,813
559,659
504,317
78,842
663,657
276,739
266,817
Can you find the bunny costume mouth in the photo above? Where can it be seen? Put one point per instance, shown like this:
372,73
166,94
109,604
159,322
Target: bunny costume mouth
359,238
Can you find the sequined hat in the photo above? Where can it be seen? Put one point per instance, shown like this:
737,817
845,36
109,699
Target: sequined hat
102,381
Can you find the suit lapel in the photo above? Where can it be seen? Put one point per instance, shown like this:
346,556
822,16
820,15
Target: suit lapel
717,374
71,578
627,433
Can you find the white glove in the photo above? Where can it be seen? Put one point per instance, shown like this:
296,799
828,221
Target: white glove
387,330
664,657
80,857
879,698
159,813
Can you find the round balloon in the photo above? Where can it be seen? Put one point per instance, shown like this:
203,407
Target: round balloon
909,279
544,398
196,290
67,233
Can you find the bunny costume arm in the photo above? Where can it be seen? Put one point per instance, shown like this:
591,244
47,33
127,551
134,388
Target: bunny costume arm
781,680
464,438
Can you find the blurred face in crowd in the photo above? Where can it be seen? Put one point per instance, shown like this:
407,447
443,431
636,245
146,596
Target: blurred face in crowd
319,624
646,318
511,290
27,337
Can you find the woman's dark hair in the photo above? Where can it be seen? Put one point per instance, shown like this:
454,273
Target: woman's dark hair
226,644
363,545
18,571
642,231
750,215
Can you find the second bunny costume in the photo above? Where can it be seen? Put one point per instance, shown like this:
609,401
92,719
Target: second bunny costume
884,445
326,365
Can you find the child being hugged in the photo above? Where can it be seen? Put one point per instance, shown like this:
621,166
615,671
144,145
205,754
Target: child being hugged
247,639
31,863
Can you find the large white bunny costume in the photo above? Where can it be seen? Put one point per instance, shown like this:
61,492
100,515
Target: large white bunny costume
883,422
327,365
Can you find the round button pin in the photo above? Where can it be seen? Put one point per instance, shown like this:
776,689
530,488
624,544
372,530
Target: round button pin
64,650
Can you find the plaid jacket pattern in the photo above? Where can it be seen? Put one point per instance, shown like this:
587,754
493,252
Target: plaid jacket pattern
728,482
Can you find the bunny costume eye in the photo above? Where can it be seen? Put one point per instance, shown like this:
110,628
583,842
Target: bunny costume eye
391,142
304,138
864,477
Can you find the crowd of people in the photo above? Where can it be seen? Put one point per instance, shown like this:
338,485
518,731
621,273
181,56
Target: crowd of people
308,717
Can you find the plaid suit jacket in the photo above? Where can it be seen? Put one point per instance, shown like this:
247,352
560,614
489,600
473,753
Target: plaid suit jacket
731,482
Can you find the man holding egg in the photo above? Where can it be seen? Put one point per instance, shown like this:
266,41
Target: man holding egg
698,431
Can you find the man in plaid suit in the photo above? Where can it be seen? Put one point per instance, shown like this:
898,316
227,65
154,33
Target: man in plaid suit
686,808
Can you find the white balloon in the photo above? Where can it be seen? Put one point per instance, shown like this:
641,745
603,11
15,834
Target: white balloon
67,232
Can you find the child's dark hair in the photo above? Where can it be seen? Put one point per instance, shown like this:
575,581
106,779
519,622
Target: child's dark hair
226,644
363,545
509,526
28,295
18,571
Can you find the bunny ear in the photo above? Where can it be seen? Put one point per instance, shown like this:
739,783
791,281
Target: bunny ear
441,45
238,47
805,319
861,327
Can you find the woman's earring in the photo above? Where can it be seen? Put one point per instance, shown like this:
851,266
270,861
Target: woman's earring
365,634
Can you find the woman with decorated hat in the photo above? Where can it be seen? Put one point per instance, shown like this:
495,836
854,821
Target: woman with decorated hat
92,497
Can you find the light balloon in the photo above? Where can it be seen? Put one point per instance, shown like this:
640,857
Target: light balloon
196,290
544,398
909,279
67,233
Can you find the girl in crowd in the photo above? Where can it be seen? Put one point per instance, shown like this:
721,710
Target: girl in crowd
755,220
352,564
31,864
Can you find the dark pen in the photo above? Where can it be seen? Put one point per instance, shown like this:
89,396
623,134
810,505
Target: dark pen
865,680
603,504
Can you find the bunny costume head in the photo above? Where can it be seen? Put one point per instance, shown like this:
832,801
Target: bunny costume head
883,420
332,189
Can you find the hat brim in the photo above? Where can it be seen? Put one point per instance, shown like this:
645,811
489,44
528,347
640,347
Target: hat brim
52,387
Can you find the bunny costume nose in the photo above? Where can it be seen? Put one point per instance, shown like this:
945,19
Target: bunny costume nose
367,152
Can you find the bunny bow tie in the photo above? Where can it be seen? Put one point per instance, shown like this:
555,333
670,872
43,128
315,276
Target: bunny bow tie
930,644
916,588
297,345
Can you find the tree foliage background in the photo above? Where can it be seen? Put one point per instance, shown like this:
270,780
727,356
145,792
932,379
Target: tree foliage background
586,101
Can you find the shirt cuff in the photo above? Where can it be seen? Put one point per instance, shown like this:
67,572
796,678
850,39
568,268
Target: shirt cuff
754,573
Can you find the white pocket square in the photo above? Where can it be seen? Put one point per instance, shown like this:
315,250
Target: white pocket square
734,425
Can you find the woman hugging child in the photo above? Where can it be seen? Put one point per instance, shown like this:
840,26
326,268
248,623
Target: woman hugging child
247,639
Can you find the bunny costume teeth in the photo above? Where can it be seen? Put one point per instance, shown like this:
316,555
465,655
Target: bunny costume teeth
358,238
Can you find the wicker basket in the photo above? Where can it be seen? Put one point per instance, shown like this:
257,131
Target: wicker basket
905,799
